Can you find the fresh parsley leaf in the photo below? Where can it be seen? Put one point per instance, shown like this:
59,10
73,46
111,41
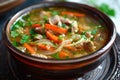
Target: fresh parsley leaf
44,35
45,17
15,43
99,26
56,56
106,9
14,33
26,17
92,39
18,24
60,37
65,16
25,39
32,31
15,26
54,13
83,36
83,33
94,31
29,23
21,23
64,25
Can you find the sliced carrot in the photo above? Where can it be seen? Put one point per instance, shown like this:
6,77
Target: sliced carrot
29,48
63,55
52,37
36,25
73,14
56,28
46,47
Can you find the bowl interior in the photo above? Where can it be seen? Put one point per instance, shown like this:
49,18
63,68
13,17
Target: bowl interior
105,21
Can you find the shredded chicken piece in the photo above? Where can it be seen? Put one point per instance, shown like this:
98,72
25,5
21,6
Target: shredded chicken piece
58,20
65,20
74,26
88,35
55,20
89,46
98,37
39,30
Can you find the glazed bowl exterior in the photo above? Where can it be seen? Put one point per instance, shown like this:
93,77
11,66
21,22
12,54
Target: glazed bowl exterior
39,68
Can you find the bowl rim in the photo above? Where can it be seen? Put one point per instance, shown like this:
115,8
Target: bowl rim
65,4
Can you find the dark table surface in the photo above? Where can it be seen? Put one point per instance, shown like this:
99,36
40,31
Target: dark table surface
4,70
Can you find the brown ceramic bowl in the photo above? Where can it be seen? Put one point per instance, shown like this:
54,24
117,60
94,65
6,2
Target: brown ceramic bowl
60,69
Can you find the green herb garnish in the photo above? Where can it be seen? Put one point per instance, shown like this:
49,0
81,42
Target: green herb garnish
64,25
105,8
18,24
15,43
56,56
25,39
60,37
14,34
26,17
94,31
45,18
54,13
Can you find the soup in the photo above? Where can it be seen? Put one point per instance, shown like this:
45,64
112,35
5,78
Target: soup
57,33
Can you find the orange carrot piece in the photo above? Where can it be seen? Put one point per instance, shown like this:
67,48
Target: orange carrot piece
45,47
73,14
52,37
63,55
29,48
56,28
36,25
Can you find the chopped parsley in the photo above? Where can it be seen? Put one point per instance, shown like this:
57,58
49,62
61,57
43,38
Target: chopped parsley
94,31
54,13
14,34
105,8
60,37
56,56
25,39
15,43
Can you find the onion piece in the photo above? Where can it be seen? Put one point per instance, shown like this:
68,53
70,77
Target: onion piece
44,41
80,41
40,55
57,50
64,42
